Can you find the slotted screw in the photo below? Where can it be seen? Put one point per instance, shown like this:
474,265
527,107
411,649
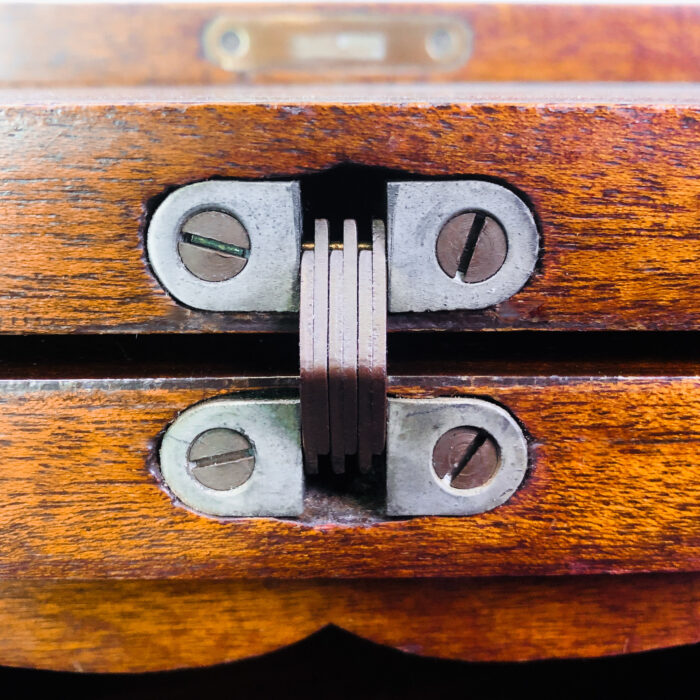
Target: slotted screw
214,246
221,459
471,247
465,457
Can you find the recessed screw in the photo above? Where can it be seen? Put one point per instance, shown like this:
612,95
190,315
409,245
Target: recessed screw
471,247
214,246
226,43
221,459
440,44
230,41
465,457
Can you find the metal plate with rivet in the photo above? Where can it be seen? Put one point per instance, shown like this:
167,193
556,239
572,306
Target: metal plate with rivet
236,457
350,45
452,456
465,244
229,246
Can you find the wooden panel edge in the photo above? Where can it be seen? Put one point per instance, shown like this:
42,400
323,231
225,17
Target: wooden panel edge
136,626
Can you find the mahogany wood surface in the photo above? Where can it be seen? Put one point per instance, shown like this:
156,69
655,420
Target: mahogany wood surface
153,625
614,487
101,571
161,44
613,175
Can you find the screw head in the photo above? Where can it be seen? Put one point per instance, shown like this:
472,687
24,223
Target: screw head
440,44
471,247
214,245
466,457
221,459
226,43
230,41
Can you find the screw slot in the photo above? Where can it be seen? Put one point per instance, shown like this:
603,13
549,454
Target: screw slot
221,459
471,247
214,246
466,457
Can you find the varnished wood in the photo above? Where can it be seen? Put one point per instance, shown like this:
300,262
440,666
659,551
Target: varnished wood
154,625
613,175
615,483
614,487
161,44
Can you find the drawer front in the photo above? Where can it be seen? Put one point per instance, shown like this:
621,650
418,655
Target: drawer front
613,486
154,625
613,186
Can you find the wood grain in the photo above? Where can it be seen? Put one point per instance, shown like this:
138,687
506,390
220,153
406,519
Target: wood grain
161,44
614,179
614,487
120,626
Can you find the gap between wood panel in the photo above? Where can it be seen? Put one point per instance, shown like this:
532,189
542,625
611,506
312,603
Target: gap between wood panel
515,353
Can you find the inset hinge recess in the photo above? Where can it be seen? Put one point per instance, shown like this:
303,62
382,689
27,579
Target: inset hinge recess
236,246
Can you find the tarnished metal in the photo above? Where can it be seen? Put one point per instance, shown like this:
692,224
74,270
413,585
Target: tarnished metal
431,443
465,458
345,45
431,274
364,361
222,459
269,214
349,361
379,345
266,431
456,244
343,348
320,340
471,247
214,246
307,385
313,348
335,361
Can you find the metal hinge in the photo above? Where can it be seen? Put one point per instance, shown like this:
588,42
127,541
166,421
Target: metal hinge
236,246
